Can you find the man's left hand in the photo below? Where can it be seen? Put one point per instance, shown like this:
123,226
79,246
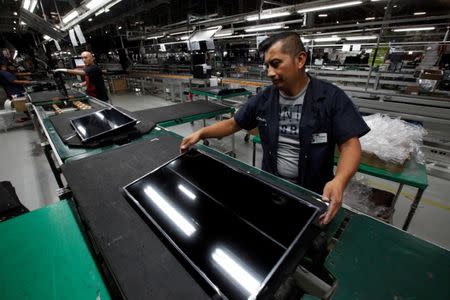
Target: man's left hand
332,192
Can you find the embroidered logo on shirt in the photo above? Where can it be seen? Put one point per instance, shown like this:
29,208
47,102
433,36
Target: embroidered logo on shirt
258,118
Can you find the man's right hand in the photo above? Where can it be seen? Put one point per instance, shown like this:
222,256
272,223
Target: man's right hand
190,140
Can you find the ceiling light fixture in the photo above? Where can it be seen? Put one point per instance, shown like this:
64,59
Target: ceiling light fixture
361,38
111,5
155,36
333,38
26,4
69,17
33,5
225,32
323,15
414,29
263,28
265,16
181,32
369,18
96,3
420,13
99,12
331,6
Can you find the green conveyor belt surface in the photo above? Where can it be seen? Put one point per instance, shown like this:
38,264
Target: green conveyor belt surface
43,255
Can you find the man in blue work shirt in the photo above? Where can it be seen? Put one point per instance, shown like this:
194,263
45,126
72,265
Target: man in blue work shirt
10,83
300,120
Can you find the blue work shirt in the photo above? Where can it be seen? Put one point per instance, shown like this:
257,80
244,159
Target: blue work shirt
7,81
328,118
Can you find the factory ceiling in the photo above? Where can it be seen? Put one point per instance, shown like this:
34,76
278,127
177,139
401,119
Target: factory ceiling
153,16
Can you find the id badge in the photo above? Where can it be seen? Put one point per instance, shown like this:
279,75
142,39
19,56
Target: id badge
319,138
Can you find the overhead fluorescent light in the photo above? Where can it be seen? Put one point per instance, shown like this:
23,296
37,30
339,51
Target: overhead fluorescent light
46,37
96,3
420,13
224,32
414,29
15,13
263,28
90,19
181,32
69,17
305,40
99,12
333,38
33,5
265,16
26,4
323,15
23,23
155,36
361,38
184,37
331,6
112,4
369,18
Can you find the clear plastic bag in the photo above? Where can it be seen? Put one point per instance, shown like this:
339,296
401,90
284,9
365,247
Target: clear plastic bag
392,139
358,195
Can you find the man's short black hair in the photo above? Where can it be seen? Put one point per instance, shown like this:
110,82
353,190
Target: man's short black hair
292,44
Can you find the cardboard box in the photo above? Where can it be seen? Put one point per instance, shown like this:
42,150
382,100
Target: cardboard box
374,161
119,85
412,90
20,104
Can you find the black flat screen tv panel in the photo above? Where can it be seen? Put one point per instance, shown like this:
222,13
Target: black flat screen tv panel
101,123
232,228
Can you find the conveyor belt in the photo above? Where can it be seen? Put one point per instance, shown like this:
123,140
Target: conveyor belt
142,266
148,118
68,135
178,111
48,96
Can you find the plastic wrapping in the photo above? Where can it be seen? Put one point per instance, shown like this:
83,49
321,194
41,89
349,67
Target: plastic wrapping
393,140
358,195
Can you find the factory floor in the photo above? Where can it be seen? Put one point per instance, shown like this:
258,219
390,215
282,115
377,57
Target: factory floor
24,164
